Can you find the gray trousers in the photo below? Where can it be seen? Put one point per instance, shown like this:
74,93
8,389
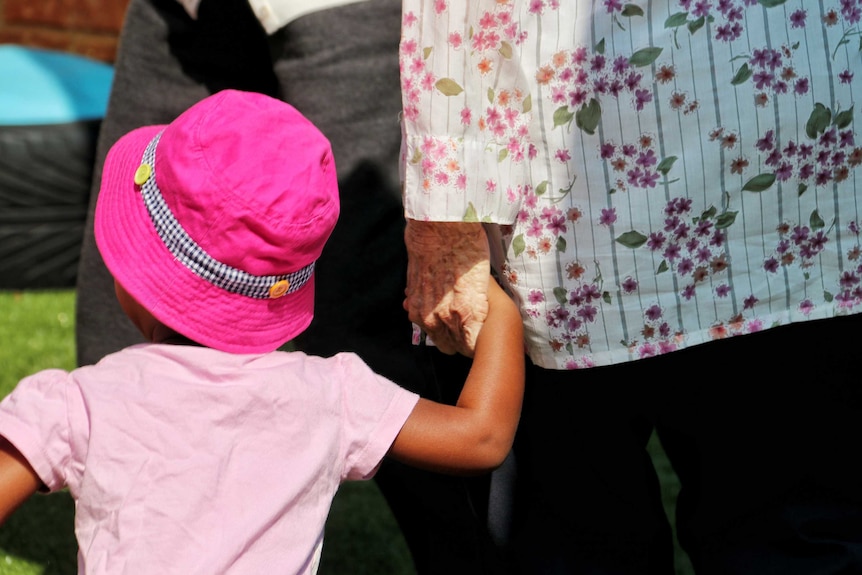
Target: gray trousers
339,67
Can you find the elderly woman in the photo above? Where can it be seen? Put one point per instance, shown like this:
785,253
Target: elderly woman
669,190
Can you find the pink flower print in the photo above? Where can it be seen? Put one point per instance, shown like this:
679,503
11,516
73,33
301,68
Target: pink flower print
801,86
848,280
655,241
536,6
456,40
806,306
466,116
630,285
647,350
653,312
850,11
648,179
535,229
685,266
590,293
588,313
688,292
556,316
608,216
722,290
409,19
767,142
439,6
613,6
672,252
536,296
557,224
797,19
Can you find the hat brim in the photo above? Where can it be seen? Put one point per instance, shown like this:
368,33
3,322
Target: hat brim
138,259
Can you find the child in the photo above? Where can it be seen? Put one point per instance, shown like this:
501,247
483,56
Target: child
207,451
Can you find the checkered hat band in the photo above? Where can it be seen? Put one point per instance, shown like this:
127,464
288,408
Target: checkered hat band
193,256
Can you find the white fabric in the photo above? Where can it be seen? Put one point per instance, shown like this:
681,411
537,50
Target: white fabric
667,172
275,14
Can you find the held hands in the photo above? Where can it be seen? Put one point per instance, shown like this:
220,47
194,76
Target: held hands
447,282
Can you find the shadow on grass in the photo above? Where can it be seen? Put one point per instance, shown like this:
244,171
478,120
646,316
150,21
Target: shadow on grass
41,531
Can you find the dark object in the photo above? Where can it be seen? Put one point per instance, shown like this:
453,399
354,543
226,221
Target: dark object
51,110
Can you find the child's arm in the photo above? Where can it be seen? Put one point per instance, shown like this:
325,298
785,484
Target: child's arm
477,433
18,481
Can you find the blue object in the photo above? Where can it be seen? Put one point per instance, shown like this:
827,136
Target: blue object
47,87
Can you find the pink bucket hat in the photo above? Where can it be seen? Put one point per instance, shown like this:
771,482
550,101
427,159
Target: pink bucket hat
213,222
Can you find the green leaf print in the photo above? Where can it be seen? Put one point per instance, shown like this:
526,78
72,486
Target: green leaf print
528,104
606,297
560,295
828,296
491,95
725,220
632,239
665,165
644,57
506,50
587,118
759,183
518,245
426,52
696,25
676,20
662,267
771,3
470,215
561,244
542,188
815,221
562,116
742,75
600,47
630,10
502,155
801,189
843,119
448,87
818,121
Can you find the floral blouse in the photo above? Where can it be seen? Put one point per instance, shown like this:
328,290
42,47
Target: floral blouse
665,172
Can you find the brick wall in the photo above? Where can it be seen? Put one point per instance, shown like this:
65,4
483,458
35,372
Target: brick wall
86,27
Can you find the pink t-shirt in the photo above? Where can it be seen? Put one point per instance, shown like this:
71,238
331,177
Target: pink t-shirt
189,460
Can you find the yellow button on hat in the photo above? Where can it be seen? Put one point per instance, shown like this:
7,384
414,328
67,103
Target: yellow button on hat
142,174
279,288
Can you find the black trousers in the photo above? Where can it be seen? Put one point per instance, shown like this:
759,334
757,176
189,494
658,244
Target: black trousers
340,68
763,431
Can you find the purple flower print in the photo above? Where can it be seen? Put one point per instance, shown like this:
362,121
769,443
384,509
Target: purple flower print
797,19
608,216
653,312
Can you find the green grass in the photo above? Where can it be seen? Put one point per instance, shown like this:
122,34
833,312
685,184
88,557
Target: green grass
37,332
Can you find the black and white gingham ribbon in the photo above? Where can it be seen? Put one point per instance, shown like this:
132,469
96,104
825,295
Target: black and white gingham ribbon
193,256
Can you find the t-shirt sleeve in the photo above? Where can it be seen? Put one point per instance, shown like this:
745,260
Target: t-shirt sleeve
373,411
35,419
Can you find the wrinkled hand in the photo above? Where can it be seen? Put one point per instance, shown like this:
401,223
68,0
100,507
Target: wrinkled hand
447,282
